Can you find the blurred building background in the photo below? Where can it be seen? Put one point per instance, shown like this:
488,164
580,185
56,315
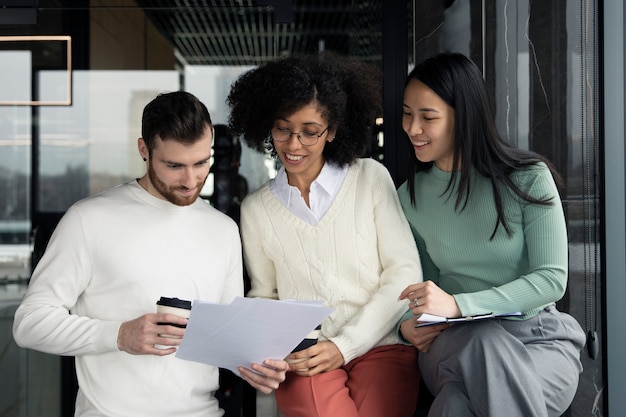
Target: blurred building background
76,74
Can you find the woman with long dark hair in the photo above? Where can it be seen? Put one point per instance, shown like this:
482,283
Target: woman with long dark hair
490,228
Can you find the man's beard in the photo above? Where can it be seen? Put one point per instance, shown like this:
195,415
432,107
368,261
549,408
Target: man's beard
169,193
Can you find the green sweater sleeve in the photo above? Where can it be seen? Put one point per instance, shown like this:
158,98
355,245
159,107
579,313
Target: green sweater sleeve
429,269
522,271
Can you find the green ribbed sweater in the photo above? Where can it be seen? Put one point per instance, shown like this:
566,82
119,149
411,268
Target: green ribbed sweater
522,272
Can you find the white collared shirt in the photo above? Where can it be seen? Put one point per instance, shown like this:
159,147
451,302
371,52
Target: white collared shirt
323,192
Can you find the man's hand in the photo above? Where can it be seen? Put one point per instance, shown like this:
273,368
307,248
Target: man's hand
141,335
324,356
267,377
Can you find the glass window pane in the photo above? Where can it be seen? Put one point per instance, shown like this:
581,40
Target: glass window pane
92,145
15,162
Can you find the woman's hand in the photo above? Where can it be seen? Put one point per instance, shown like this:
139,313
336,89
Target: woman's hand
427,297
324,356
421,337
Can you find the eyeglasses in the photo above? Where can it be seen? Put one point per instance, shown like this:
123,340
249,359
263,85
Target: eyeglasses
305,137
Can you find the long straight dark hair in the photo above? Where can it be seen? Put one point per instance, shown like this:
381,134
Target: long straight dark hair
458,82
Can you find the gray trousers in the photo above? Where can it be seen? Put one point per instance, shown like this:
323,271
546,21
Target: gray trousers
507,368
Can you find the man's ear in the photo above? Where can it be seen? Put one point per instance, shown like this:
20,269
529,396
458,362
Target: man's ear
142,148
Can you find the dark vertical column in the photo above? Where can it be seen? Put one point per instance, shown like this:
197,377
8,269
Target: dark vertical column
613,67
395,62
548,95
74,22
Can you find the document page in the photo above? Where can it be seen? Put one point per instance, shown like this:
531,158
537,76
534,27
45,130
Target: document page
249,330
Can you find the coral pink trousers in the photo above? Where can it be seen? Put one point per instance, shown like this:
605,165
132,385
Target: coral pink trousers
383,382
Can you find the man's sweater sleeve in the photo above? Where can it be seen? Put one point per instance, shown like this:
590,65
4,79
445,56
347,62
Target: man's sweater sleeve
43,320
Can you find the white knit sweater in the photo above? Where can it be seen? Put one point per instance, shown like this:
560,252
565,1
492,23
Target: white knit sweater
357,259
110,259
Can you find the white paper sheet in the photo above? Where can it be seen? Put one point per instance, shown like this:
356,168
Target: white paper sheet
249,330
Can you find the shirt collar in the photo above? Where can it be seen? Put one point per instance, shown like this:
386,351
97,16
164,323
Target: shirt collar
328,181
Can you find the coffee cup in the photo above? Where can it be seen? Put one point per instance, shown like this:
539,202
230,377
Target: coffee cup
175,306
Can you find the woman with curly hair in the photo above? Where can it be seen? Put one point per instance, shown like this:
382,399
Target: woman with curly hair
329,227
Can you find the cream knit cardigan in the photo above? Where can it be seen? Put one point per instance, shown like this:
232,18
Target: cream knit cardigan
357,259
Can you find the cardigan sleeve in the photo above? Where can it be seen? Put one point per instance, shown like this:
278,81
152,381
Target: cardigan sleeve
400,267
260,267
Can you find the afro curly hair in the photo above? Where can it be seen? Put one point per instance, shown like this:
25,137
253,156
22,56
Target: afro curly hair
347,92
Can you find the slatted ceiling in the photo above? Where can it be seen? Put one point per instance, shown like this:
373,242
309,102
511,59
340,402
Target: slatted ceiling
241,40
244,32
